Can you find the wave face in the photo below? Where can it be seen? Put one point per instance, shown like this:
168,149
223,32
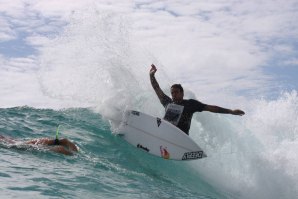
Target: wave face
105,167
254,154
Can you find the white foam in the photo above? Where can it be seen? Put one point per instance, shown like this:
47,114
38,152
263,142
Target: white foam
254,156
94,62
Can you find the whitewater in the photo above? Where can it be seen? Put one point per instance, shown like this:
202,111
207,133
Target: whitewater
85,77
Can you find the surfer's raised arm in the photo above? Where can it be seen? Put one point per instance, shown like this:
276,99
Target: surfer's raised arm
162,97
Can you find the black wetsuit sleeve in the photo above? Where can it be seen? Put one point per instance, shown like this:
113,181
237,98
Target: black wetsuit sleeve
163,98
197,106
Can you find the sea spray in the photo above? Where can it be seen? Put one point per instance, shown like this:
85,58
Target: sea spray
95,62
253,156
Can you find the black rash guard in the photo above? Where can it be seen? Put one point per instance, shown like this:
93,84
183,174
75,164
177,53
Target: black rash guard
180,114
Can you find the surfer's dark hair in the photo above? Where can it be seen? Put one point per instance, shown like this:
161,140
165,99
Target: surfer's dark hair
178,86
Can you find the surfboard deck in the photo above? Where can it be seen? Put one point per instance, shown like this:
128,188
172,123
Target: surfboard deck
158,137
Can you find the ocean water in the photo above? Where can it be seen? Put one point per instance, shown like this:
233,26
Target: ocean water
255,158
105,167
94,69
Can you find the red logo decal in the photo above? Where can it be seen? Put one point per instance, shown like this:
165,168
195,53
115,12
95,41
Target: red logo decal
164,153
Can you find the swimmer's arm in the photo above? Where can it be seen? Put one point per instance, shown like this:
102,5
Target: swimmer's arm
7,140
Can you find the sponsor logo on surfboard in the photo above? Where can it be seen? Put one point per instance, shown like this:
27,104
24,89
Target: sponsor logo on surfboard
142,147
192,155
158,120
164,153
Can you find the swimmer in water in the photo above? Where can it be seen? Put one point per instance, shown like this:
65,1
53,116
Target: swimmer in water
63,145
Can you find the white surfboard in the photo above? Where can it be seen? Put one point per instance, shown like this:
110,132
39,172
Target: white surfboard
158,137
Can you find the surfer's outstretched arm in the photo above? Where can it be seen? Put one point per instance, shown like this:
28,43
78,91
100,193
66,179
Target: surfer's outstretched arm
162,97
217,109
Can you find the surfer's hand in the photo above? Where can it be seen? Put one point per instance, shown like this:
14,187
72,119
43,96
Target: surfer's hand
238,112
153,69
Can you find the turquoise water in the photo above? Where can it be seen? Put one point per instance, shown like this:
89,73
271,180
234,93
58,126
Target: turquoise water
105,167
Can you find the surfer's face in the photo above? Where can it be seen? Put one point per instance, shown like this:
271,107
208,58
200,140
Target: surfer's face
177,94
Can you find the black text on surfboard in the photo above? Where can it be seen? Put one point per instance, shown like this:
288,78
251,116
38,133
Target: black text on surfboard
192,155
142,147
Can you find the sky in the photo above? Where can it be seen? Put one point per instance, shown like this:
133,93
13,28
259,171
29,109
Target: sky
220,50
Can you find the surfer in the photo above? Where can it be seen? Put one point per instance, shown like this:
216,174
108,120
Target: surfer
180,111
63,145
